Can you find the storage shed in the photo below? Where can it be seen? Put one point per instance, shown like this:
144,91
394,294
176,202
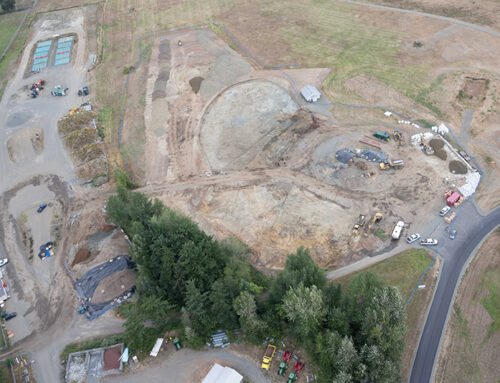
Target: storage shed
219,374
310,93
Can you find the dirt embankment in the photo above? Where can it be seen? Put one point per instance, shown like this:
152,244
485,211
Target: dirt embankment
471,342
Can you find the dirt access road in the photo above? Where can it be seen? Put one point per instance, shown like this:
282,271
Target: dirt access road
189,366
35,172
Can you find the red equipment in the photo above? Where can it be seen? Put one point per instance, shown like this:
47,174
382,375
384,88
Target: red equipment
298,367
286,356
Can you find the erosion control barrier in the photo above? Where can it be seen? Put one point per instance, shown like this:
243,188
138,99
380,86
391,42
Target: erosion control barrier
86,286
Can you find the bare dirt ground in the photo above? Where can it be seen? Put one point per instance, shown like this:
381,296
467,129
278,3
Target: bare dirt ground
482,13
245,160
470,345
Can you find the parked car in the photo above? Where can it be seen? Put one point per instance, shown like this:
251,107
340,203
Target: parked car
444,211
412,238
10,316
42,207
453,234
85,90
429,242
3,262
46,250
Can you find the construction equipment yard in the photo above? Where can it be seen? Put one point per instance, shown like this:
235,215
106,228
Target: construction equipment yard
207,116
283,185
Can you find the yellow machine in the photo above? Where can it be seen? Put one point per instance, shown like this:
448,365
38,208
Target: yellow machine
375,219
73,111
396,164
425,147
268,357
359,224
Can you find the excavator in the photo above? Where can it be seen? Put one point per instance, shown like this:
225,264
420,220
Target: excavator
426,148
398,136
375,219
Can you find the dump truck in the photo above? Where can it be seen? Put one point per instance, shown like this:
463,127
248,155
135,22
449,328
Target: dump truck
452,199
384,136
396,164
268,356
360,221
396,233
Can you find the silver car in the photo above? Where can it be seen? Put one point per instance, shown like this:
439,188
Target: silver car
412,238
429,242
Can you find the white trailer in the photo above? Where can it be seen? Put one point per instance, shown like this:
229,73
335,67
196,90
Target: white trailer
396,233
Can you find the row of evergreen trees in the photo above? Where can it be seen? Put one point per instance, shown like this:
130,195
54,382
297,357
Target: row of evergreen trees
352,335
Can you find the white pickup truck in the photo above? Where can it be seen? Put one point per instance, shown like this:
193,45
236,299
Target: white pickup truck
396,233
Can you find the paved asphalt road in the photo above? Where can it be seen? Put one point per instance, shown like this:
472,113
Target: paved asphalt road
471,228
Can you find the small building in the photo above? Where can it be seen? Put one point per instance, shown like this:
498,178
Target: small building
219,374
310,93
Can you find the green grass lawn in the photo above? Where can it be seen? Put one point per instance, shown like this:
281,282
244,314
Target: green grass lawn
403,270
490,282
8,25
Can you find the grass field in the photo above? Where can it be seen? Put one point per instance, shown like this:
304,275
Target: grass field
404,271
8,26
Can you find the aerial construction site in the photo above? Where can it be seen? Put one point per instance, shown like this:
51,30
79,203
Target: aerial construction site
363,132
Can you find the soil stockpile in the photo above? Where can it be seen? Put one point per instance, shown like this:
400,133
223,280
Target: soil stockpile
456,167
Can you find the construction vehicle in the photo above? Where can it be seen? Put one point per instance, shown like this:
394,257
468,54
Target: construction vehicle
396,233
177,344
298,367
268,357
453,199
360,221
282,369
384,136
398,135
396,164
447,194
375,219
59,91
426,148
284,365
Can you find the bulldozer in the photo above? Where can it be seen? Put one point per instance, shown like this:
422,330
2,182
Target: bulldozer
396,164
359,224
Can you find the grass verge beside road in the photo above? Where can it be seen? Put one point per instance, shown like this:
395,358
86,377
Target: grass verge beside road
472,339
404,271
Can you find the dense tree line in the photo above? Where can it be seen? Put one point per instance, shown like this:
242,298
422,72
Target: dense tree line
353,335
8,5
